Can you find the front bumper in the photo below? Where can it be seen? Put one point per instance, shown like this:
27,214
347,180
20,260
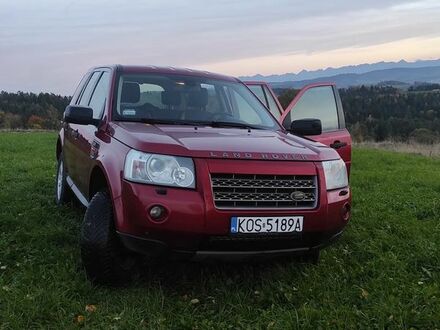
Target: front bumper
195,228
157,248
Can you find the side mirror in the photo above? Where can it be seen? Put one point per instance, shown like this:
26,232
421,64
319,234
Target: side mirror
78,114
306,127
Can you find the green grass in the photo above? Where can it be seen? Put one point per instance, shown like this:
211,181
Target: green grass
383,273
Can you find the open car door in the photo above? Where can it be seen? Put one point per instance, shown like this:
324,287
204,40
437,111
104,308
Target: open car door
322,101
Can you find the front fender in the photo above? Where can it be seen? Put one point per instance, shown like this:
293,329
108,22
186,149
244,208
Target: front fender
110,160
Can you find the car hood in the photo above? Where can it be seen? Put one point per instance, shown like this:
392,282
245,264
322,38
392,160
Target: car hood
210,142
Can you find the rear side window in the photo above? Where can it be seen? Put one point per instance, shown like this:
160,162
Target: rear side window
99,97
85,97
273,107
317,102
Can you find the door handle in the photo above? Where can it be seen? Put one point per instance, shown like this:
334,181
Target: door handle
75,134
338,144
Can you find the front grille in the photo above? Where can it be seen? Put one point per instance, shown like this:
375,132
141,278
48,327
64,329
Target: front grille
264,191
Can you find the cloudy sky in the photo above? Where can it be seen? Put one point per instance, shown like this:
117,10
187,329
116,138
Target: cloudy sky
47,45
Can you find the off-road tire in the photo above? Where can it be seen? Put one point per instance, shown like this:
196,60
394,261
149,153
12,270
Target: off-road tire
105,260
63,194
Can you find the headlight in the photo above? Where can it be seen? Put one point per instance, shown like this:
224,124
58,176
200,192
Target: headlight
159,169
335,174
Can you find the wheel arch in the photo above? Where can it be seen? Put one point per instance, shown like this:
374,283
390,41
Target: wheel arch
105,173
59,147
98,181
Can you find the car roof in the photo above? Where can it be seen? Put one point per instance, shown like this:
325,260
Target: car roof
131,69
255,82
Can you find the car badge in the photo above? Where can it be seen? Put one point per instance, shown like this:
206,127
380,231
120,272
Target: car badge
297,196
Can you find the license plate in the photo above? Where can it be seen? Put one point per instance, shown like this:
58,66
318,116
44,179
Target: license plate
254,225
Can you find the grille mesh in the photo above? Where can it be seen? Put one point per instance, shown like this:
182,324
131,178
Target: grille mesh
264,191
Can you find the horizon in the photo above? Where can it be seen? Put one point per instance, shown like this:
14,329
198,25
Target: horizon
347,65
250,76
54,43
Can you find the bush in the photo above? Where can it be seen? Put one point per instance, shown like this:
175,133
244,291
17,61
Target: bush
423,136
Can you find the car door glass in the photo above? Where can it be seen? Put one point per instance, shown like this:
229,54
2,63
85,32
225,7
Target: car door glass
273,107
316,102
79,88
99,96
257,90
85,97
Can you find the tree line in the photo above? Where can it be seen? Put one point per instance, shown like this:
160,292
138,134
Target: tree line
31,111
387,113
373,113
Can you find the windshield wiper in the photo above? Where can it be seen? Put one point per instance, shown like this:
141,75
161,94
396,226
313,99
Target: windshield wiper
231,124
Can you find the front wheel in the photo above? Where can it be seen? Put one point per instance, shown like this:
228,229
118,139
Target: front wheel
63,194
104,258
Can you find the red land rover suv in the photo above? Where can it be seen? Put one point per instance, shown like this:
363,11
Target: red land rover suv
177,162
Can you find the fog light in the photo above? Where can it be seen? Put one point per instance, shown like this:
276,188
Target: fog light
157,212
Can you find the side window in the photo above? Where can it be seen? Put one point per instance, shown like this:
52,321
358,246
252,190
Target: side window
273,107
258,90
316,102
97,102
87,92
78,90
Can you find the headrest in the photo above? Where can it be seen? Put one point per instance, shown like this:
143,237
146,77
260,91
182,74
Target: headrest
130,92
198,98
171,98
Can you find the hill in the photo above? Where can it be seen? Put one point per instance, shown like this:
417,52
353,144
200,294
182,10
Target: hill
349,69
405,76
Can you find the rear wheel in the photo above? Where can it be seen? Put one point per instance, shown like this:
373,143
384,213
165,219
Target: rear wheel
63,194
104,258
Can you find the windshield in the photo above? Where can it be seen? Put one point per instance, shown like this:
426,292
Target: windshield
181,99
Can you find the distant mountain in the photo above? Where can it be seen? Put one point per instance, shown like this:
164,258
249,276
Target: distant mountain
396,76
350,69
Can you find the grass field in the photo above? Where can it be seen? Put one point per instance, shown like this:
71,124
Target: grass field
430,150
383,273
